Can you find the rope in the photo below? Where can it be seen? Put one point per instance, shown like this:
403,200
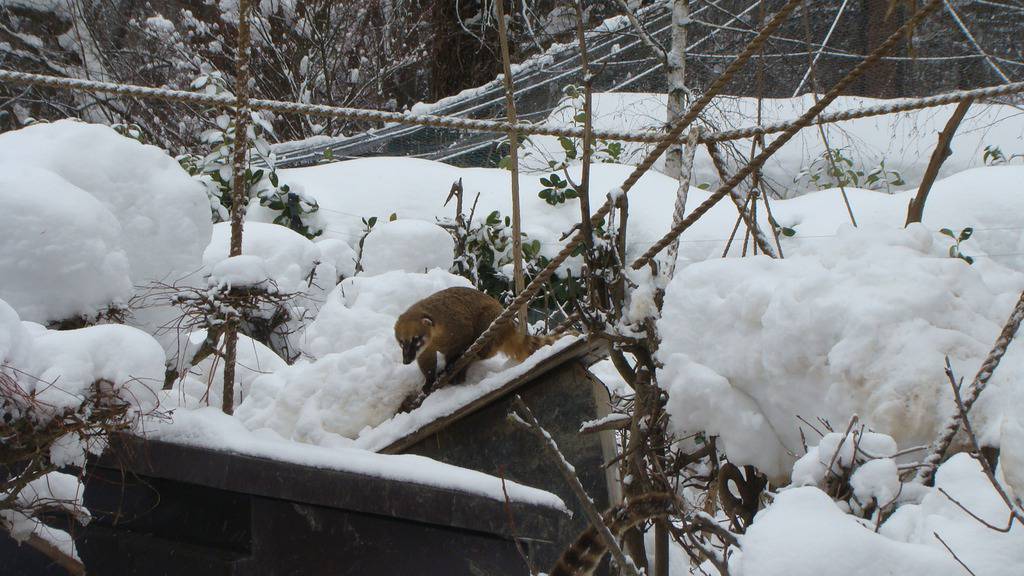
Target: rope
667,139
802,122
685,172
741,206
927,471
228,101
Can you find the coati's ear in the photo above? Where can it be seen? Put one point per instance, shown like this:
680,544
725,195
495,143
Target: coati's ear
428,321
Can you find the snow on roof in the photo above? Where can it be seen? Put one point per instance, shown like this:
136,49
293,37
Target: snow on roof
443,406
210,428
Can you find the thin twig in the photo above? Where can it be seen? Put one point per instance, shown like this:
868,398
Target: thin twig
955,557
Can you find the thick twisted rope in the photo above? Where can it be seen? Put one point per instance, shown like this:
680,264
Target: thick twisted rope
805,120
667,139
493,126
741,205
927,470
679,210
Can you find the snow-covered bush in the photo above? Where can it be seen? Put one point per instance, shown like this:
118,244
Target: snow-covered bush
830,520
61,394
95,218
281,203
281,262
856,324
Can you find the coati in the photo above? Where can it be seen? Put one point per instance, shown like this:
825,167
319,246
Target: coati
448,322
583,555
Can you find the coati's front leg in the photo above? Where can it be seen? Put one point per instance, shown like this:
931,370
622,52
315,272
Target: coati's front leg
427,361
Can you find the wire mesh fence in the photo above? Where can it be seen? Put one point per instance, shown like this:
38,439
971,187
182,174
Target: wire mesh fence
968,44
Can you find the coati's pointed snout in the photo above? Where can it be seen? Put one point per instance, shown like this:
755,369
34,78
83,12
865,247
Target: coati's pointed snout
408,354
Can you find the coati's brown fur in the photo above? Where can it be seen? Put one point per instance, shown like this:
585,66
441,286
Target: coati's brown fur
448,322
582,556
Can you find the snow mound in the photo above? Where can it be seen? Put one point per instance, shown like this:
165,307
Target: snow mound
357,378
164,214
362,310
15,340
239,271
61,253
67,363
407,245
340,254
803,532
856,324
287,257
904,141
204,384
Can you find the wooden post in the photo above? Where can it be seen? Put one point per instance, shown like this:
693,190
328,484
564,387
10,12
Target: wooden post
239,186
588,128
915,211
513,140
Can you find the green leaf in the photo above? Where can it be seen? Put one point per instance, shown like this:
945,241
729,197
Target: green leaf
966,233
968,259
547,181
788,232
947,232
371,222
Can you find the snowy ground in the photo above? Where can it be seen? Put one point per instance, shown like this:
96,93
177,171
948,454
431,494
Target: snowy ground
852,321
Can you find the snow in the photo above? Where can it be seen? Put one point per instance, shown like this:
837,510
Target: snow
804,532
876,480
339,254
15,339
284,255
448,400
352,376
163,213
68,362
904,141
94,217
80,238
204,384
240,271
856,324
54,490
409,245
1011,453
209,428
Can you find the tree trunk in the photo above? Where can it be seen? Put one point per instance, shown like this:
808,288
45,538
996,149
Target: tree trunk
676,65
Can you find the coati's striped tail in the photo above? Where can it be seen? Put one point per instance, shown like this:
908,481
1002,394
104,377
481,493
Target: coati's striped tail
583,555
